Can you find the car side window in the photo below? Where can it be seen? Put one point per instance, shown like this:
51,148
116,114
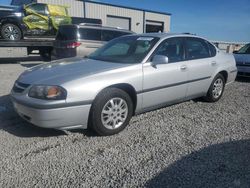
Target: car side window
38,8
173,48
196,49
90,34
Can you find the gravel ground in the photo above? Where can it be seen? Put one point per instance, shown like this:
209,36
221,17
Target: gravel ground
192,144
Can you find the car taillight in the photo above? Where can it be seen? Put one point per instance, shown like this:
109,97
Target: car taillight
73,45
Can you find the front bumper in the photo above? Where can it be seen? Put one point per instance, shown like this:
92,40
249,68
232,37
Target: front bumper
243,70
64,118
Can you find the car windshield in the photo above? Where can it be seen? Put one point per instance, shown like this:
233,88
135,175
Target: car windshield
19,9
128,49
244,50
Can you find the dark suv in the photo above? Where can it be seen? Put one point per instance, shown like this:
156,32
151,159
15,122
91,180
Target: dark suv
81,40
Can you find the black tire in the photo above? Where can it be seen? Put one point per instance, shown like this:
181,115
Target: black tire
98,105
211,96
45,55
11,32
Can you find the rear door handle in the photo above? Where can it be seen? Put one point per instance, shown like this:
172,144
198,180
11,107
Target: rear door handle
183,67
213,63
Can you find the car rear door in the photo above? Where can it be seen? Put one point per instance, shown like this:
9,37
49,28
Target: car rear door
165,83
200,66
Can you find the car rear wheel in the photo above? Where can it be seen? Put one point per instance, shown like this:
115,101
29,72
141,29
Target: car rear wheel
45,55
216,89
111,111
11,32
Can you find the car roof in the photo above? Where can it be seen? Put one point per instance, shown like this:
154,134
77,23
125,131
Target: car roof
166,35
97,26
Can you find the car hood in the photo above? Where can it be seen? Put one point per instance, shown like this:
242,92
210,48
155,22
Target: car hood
6,12
10,10
65,70
242,58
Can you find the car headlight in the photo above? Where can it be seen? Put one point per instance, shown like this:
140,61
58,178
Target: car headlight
18,14
47,92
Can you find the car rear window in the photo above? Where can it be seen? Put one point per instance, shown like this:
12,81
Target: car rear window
67,33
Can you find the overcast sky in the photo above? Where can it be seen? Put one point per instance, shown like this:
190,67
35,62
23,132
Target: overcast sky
225,20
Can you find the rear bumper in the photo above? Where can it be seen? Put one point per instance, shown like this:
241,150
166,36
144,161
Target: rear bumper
66,118
60,53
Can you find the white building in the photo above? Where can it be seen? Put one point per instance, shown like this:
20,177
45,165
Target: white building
135,19
229,47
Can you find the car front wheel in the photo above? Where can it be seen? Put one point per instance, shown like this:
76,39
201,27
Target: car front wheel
111,111
216,89
11,32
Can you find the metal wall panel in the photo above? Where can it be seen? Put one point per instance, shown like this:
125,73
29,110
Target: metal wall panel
101,12
75,6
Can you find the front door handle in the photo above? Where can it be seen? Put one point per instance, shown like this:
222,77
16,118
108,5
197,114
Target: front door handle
183,67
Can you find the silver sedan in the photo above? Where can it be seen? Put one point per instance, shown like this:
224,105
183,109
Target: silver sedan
129,75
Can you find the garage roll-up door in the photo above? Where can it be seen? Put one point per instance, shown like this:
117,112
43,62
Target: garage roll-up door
154,26
122,22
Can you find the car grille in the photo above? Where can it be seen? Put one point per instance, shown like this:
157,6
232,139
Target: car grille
19,87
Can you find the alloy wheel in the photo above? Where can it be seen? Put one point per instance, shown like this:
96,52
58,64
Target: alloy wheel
11,32
114,113
217,88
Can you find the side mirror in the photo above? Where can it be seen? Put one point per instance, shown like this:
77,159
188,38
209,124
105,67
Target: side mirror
235,51
159,59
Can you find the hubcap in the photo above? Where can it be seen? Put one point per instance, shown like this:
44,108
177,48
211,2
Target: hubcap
11,33
217,88
114,113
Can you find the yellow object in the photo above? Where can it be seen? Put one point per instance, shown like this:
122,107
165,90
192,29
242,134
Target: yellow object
58,15
56,10
35,20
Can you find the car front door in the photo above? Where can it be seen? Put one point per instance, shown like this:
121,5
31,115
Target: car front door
36,17
165,83
200,66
